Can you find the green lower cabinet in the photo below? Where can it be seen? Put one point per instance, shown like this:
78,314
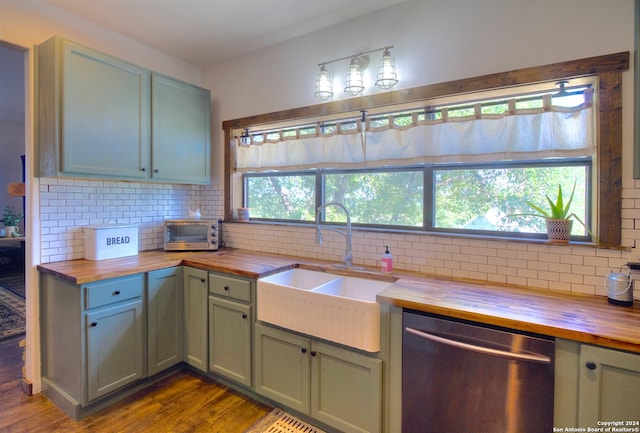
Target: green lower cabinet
609,386
114,348
595,384
337,386
196,294
282,367
164,319
230,339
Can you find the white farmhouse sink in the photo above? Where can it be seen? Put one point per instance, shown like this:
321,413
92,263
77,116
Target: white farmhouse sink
333,307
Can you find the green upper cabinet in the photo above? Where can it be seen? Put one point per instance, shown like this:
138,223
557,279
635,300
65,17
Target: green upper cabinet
181,131
102,117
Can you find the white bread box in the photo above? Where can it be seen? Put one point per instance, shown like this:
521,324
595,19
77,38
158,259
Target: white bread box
108,241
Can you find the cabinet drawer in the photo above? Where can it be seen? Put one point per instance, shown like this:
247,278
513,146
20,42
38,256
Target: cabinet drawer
113,290
230,287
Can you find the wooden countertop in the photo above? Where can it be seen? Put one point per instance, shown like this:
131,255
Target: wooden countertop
583,318
237,262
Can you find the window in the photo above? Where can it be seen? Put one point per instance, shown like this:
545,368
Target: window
603,188
488,199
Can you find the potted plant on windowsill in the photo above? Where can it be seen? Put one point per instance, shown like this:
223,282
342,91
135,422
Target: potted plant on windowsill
11,219
559,217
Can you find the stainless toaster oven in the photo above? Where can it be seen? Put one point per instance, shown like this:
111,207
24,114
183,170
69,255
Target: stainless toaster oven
192,234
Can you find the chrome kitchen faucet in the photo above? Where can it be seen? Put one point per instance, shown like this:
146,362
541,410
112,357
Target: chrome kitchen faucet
348,256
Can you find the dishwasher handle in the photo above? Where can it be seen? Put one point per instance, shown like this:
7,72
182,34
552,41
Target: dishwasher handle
480,349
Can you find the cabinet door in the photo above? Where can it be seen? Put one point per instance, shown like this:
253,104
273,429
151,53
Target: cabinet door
181,132
164,319
114,347
230,339
609,386
195,310
106,115
282,367
346,388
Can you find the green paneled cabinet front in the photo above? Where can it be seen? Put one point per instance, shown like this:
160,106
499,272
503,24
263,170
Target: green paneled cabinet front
181,134
164,319
94,113
102,117
114,348
92,338
609,386
339,387
196,293
230,339
282,367
230,326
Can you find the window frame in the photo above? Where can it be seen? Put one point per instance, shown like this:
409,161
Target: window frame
607,68
428,172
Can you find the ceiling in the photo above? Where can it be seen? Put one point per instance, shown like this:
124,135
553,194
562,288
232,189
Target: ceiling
205,32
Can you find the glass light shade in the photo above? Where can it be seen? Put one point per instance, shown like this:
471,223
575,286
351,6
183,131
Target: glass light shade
354,85
324,87
387,77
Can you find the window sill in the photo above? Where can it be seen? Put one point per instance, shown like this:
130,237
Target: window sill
439,234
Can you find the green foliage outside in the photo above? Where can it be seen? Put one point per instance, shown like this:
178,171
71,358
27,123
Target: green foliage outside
464,199
495,199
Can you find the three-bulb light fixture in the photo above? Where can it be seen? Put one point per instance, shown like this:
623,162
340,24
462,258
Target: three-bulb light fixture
354,85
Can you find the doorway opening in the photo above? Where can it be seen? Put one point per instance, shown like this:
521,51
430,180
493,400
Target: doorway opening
12,198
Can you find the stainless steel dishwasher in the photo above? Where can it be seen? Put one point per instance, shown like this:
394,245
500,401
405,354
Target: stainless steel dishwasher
464,377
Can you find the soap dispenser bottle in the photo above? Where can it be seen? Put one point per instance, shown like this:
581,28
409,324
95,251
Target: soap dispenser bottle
387,260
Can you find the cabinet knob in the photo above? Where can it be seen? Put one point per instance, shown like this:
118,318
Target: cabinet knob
116,293
313,353
202,280
156,170
244,316
143,169
94,324
591,365
226,288
303,350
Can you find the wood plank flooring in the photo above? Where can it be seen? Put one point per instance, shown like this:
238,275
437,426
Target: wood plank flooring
182,402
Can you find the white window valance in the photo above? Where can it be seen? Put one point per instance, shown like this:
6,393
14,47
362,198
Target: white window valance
549,131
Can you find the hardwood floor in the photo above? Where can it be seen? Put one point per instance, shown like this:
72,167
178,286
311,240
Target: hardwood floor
183,402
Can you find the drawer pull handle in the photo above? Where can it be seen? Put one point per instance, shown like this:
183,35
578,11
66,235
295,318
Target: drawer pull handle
226,288
116,293
244,316
303,350
313,353
94,324
591,365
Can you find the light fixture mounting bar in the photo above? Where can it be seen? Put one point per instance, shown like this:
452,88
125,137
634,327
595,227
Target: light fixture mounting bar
388,47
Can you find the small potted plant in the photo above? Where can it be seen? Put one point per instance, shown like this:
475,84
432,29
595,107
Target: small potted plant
11,219
559,217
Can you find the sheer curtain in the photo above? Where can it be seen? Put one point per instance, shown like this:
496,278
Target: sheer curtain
519,134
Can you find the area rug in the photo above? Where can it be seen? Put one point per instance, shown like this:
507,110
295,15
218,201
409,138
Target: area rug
12,314
279,421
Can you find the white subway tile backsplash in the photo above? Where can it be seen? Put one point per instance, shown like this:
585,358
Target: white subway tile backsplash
66,205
